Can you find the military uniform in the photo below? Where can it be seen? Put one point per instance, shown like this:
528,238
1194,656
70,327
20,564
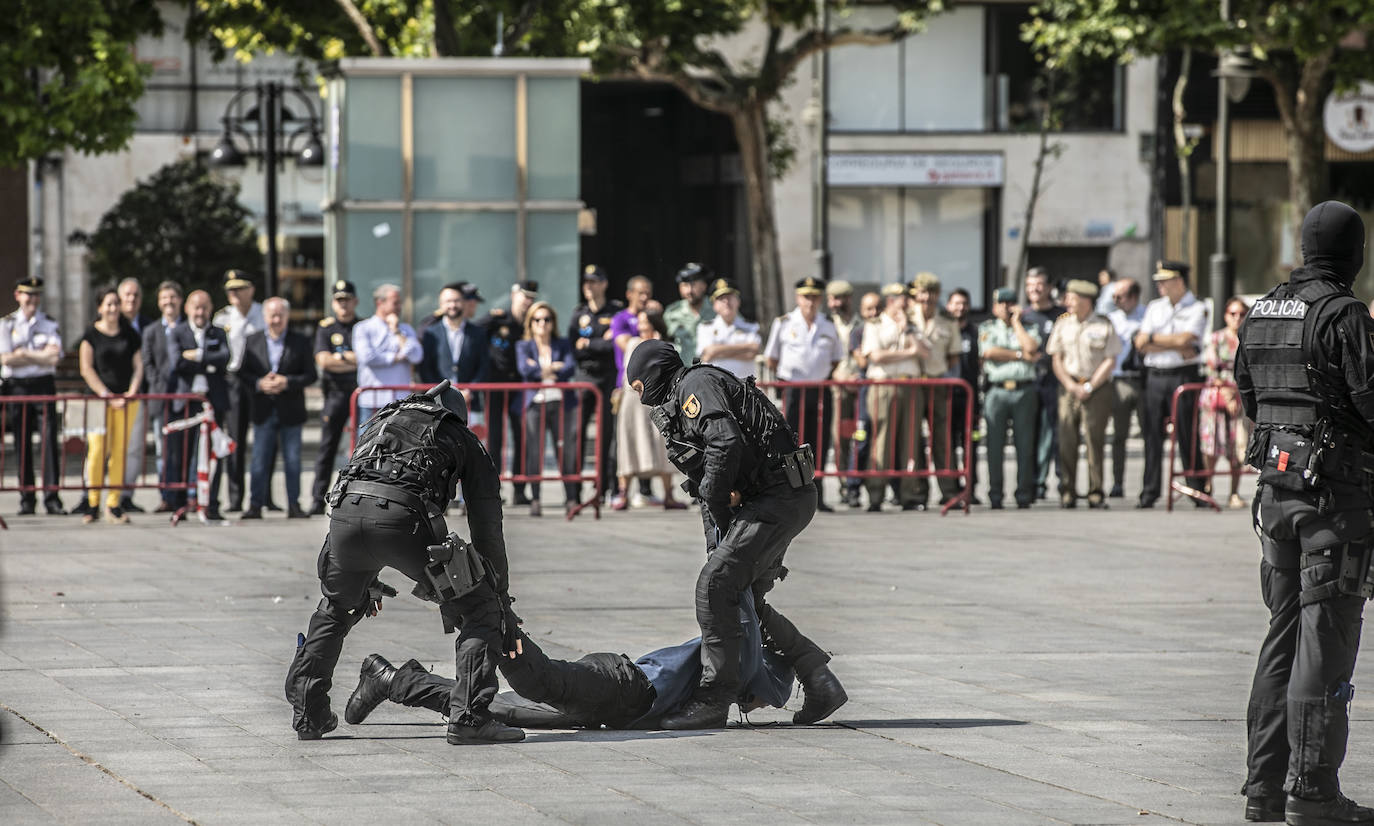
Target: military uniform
504,414
596,364
1047,393
1011,398
846,401
727,437
1305,371
941,333
681,320
25,420
385,511
1082,347
333,337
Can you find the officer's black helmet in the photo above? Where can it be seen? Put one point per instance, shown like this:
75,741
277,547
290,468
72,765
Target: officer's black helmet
450,399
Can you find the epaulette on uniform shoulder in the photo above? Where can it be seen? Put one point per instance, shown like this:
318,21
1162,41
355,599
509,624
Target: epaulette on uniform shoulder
326,321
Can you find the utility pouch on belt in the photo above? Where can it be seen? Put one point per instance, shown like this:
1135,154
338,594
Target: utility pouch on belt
1291,461
800,466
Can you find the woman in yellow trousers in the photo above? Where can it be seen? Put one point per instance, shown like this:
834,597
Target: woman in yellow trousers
112,364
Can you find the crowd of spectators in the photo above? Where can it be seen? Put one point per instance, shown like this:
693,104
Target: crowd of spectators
1059,370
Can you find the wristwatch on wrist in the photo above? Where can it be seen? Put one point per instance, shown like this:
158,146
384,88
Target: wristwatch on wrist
1087,387
1020,356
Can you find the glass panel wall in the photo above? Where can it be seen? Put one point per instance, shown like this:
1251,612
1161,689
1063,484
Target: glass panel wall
465,138
372,122
554,146
478,247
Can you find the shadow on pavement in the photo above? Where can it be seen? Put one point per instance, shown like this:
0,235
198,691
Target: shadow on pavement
929,722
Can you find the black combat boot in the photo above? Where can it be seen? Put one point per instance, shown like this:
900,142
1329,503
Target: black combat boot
489,730
1266,808
822,696
699,712
374,686
316,732
1338,811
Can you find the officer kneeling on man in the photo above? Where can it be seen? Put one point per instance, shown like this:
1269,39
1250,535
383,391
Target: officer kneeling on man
756,485
1305,371
386,510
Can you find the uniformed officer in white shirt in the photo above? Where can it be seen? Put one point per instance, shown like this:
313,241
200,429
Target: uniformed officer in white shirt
805,346
239,319
30,347
1170,340
727,340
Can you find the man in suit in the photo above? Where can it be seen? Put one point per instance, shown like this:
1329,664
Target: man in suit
239,318
455,348
158,358
201,362
278,364
131,307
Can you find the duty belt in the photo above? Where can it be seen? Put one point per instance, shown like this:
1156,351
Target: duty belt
381,490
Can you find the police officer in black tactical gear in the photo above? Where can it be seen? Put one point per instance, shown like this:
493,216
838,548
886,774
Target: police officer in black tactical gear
338,368
590,333
757,491
1305,370
386,511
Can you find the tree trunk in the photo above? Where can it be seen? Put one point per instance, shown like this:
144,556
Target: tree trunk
1306,172
1023,259
1297,91
1183,151
751,133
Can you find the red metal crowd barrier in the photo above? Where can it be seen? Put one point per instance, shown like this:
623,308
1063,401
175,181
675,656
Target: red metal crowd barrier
501,418
1200,406
922,446
62,424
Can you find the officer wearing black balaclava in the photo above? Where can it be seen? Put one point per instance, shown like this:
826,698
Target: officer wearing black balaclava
1305,370
757,492
386,510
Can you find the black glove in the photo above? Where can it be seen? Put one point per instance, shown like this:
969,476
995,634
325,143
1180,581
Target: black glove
375,592
510,624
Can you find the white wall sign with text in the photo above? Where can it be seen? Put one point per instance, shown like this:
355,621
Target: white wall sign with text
916,169
1349,118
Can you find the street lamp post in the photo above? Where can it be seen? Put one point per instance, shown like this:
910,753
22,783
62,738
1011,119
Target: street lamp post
271,144
1234,72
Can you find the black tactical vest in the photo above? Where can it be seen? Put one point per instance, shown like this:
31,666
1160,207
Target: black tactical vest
758,418
1294,385
401,445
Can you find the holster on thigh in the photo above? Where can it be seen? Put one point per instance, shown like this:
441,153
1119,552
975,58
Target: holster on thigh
1352,571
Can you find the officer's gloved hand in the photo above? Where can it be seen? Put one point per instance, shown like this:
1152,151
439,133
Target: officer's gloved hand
510,628
375,592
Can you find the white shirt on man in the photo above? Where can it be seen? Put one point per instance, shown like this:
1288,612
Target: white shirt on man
716,331
1163,318
805,352
238,326
18,332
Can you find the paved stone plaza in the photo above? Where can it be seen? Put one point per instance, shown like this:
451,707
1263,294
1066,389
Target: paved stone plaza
1003,668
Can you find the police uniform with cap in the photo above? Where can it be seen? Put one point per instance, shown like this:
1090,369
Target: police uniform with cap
1009,351
718,332
596,364
798,351
1084,346
333,347
26,342
386,511
1166,369
1305,372
682,317
238,325
505,413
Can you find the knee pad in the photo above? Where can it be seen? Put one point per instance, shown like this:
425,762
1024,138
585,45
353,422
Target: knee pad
340,613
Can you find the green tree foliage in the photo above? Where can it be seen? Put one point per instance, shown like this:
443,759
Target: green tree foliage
668,41
1302,49
68,74
181,225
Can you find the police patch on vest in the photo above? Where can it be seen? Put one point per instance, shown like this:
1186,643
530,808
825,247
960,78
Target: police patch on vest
1294,308
336,339
691,407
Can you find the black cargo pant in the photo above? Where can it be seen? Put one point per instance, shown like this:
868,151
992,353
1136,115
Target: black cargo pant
749,554
333,420
1298,717
41,419
1159,394
235,423
367,534
599,689
589,408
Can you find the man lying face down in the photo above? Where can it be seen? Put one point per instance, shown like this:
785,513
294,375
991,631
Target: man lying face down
601,689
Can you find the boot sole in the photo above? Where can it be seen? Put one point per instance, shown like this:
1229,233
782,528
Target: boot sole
481,741
843,698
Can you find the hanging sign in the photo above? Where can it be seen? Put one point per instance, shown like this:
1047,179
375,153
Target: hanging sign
1349,118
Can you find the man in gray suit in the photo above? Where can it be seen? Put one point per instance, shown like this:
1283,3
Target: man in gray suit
158,359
